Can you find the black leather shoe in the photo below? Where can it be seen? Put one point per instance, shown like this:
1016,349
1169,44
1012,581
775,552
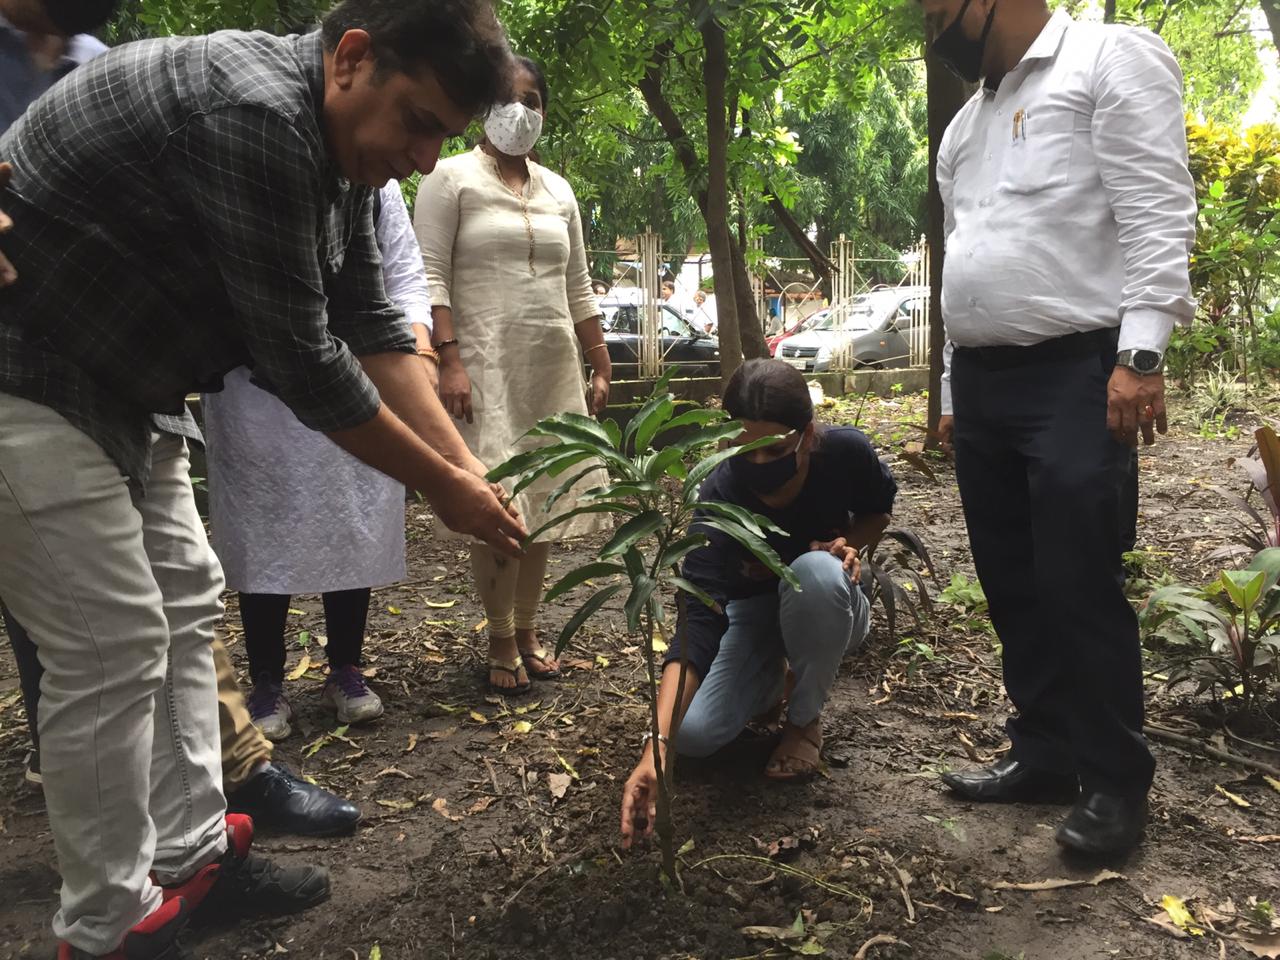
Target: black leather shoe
1011,781
1101,824
280,801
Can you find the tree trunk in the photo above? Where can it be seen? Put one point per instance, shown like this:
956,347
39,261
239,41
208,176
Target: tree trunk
1272,9
729,296
947,94
1109,11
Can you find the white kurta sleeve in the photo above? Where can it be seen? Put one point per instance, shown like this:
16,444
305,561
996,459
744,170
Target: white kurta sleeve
1140,141
403,273
435,221
582,299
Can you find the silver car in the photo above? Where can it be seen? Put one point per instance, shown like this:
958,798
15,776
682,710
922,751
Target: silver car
875,327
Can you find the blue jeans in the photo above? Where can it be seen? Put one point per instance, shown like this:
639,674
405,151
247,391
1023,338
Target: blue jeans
812,629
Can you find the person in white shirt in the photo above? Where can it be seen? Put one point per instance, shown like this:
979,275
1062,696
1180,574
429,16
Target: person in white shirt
1070,217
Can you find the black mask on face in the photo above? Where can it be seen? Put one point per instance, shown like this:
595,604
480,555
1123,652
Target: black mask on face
764,477
962,55
79,16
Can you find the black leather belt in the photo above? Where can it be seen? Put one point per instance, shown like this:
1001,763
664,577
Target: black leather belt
1071,347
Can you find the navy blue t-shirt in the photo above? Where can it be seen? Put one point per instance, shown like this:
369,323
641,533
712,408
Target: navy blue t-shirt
846,480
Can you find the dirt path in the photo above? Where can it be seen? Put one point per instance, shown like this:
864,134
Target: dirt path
491,827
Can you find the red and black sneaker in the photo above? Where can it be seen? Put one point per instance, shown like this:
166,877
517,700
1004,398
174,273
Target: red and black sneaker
243,884
155,937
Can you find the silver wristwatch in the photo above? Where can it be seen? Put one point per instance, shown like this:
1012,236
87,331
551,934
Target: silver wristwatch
1144,362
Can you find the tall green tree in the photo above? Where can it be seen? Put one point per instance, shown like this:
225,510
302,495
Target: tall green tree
718,78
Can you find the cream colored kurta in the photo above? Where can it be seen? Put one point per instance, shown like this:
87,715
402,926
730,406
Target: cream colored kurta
513,270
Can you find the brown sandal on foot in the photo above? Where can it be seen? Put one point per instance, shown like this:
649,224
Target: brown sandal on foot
539,654
512,667
791,767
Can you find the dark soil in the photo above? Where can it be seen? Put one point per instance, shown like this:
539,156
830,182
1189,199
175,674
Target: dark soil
466,852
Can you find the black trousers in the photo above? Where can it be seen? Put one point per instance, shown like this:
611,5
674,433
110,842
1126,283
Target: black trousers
1129,505
264,614
1041,480
29,671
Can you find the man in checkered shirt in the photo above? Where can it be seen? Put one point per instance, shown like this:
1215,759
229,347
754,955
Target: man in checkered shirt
181,207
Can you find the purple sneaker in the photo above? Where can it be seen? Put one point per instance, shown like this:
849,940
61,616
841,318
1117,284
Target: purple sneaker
350,696
269,709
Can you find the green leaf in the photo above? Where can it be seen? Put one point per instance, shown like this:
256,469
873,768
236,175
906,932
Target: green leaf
756,546
654,405
610,506
642,589
532,459
634,530
1267,560
1243,587
677,551
710,435
695,418
584,613
661,461
613,431
552,468
576,577
559,492
1217,189
692,588
625,488
752,521
634,562
573,428
658,417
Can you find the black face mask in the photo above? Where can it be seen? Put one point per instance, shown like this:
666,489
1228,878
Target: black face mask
79,16
962,55
763,477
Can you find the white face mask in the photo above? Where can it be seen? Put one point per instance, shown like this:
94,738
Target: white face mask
513,128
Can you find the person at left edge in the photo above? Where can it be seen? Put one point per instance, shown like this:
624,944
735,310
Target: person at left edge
181,207
41,41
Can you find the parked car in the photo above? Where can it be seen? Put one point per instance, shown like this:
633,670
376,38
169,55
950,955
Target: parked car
692,352
804,323
877,325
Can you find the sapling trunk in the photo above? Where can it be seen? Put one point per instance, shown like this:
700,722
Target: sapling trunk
662,820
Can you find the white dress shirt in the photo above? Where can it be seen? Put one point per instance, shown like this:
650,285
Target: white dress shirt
403,273
1069,205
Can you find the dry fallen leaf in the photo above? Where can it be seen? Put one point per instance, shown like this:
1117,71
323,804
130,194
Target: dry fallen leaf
1275,784
439,606
1261,838
772,933
559,783
480,806
1234,798
303,666
441,806
394,611
481,625
396,804
1102,876
394,772
413,742
522,726
1267,946
478,717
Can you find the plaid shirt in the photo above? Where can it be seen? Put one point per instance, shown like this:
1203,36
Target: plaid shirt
176,215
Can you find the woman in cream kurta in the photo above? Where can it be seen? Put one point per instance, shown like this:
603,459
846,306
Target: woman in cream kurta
514,315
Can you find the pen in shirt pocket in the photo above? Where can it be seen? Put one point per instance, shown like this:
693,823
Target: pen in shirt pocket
1020,125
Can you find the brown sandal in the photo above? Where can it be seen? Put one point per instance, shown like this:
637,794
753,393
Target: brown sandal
512,667
791,767
539,654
